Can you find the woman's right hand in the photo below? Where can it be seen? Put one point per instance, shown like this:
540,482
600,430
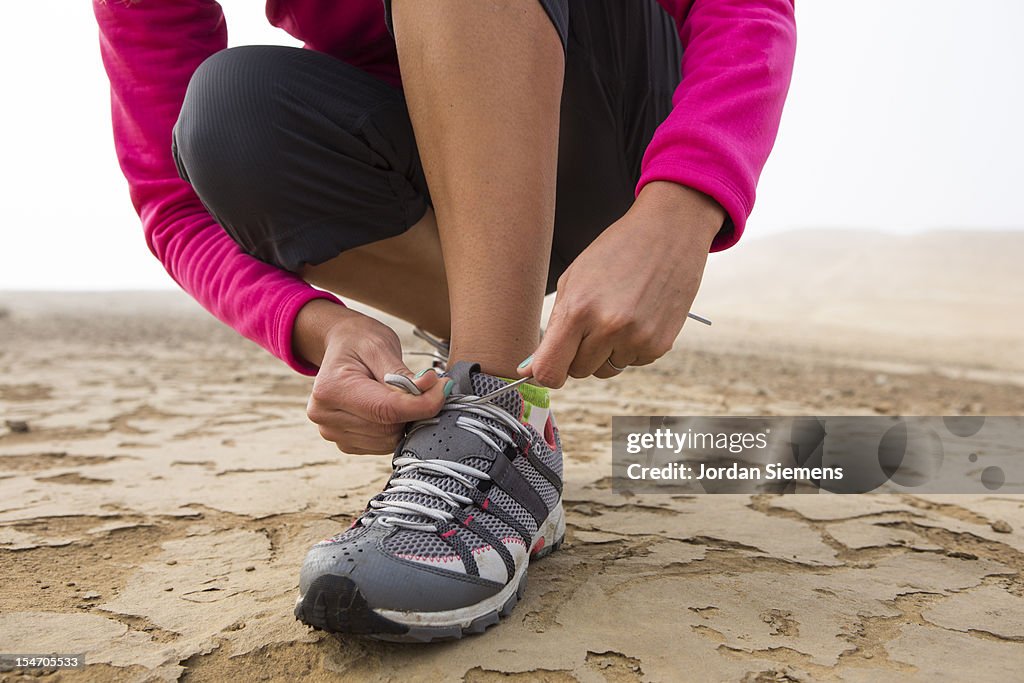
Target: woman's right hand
350,402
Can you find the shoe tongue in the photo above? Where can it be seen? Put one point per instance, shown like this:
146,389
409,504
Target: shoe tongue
470,380
461,374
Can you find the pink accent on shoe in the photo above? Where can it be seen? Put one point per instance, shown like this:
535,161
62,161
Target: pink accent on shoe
537,547
449,533
549,433
443,559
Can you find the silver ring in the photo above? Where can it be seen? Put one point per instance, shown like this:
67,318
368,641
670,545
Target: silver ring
614,366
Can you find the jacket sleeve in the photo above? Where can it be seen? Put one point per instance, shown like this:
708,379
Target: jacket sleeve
150,50
736,68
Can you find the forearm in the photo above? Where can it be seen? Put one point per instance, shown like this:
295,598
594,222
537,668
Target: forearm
676,215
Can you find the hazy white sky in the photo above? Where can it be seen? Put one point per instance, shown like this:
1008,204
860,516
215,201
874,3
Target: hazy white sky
903,115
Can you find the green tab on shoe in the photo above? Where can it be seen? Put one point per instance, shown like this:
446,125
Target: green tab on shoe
532,394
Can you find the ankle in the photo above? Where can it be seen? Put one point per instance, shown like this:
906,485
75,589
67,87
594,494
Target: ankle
498,365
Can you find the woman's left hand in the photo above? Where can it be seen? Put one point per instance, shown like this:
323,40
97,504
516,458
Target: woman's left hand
625,298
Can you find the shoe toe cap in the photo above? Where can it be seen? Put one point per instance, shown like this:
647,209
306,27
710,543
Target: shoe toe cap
388,582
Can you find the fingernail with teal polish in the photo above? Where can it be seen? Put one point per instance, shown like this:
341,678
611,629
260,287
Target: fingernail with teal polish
526,362
422,372
448,388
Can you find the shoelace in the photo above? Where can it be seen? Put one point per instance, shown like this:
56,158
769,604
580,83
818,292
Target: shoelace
440,352
403,513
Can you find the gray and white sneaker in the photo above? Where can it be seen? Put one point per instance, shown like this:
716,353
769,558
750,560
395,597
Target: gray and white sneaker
443,550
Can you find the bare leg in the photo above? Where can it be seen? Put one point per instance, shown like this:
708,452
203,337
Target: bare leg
402,275
483,81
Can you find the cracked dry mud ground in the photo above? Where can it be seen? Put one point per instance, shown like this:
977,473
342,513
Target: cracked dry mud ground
156,511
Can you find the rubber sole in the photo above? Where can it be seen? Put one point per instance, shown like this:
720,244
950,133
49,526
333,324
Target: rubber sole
334,604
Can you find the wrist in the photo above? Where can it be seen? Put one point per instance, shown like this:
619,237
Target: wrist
313,327
680,211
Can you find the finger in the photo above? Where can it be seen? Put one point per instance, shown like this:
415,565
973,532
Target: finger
426,379
340,423
655,352
355,442
549,364
365,447
616,360
416,385
384,362
611,366
593,352
327,408
377,402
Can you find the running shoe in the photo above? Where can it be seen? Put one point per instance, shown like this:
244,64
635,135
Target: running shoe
443,550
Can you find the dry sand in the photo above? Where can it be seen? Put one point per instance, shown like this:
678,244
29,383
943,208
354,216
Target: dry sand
156,511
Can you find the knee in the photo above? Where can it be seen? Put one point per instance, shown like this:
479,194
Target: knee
228,113
228,137
275,138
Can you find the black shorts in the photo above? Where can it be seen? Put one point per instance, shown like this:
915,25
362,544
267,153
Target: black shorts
300,156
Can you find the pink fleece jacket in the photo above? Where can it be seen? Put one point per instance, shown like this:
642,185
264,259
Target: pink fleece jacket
736,67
